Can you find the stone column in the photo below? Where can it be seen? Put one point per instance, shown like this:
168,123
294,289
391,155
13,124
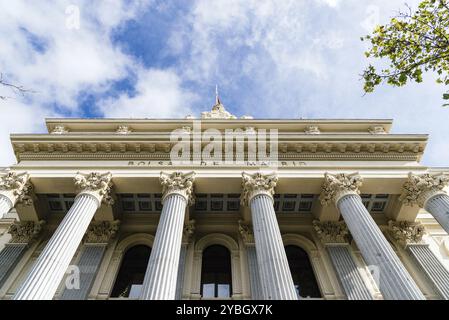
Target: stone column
334,236
48,271
277,282
187,234
23,235
427,191
96,240
395,281
162,271
409,236
14,187
254,278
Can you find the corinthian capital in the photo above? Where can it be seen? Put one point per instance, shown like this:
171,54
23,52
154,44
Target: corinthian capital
339,185
25,231
246,232
406,233
16,187
188,231
101,231
420,188
97,184
179,183
258,183
331,232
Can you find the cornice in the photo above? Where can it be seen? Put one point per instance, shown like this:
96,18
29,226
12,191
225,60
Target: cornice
35,150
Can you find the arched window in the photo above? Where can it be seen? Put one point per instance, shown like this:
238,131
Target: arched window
302,272
132,271
216,275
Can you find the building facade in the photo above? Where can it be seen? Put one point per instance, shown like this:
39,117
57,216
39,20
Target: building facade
100,209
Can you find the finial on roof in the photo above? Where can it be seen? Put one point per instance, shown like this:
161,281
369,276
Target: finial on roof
218,110
217,99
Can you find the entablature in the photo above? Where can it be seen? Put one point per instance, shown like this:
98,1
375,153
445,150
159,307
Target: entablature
148,147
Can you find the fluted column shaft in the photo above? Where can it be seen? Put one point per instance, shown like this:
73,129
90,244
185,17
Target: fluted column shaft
432,267
254,277
180,277
48,271
88,265
5,205
438,207
161,275
277,282
349,276
9,257
395,282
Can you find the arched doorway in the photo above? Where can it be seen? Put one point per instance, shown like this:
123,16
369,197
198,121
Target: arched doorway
132,272
216,274
302,272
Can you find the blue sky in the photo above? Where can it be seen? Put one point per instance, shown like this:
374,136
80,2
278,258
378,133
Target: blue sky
162,59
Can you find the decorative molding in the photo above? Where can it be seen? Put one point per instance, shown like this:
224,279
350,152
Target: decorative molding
246,231
303,151
258,183
25,231
339,185
250,130
377,130
312,130
331,231
179,183
59,129
97,184
188,231
17,187
186,129
123,130
420,188
405,232
101,231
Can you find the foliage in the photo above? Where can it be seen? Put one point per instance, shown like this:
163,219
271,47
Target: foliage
413,42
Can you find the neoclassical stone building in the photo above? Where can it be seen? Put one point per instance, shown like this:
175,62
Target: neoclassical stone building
98,209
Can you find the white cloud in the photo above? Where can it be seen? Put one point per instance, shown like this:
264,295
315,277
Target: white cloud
43,48
304,59
158,94
285,58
